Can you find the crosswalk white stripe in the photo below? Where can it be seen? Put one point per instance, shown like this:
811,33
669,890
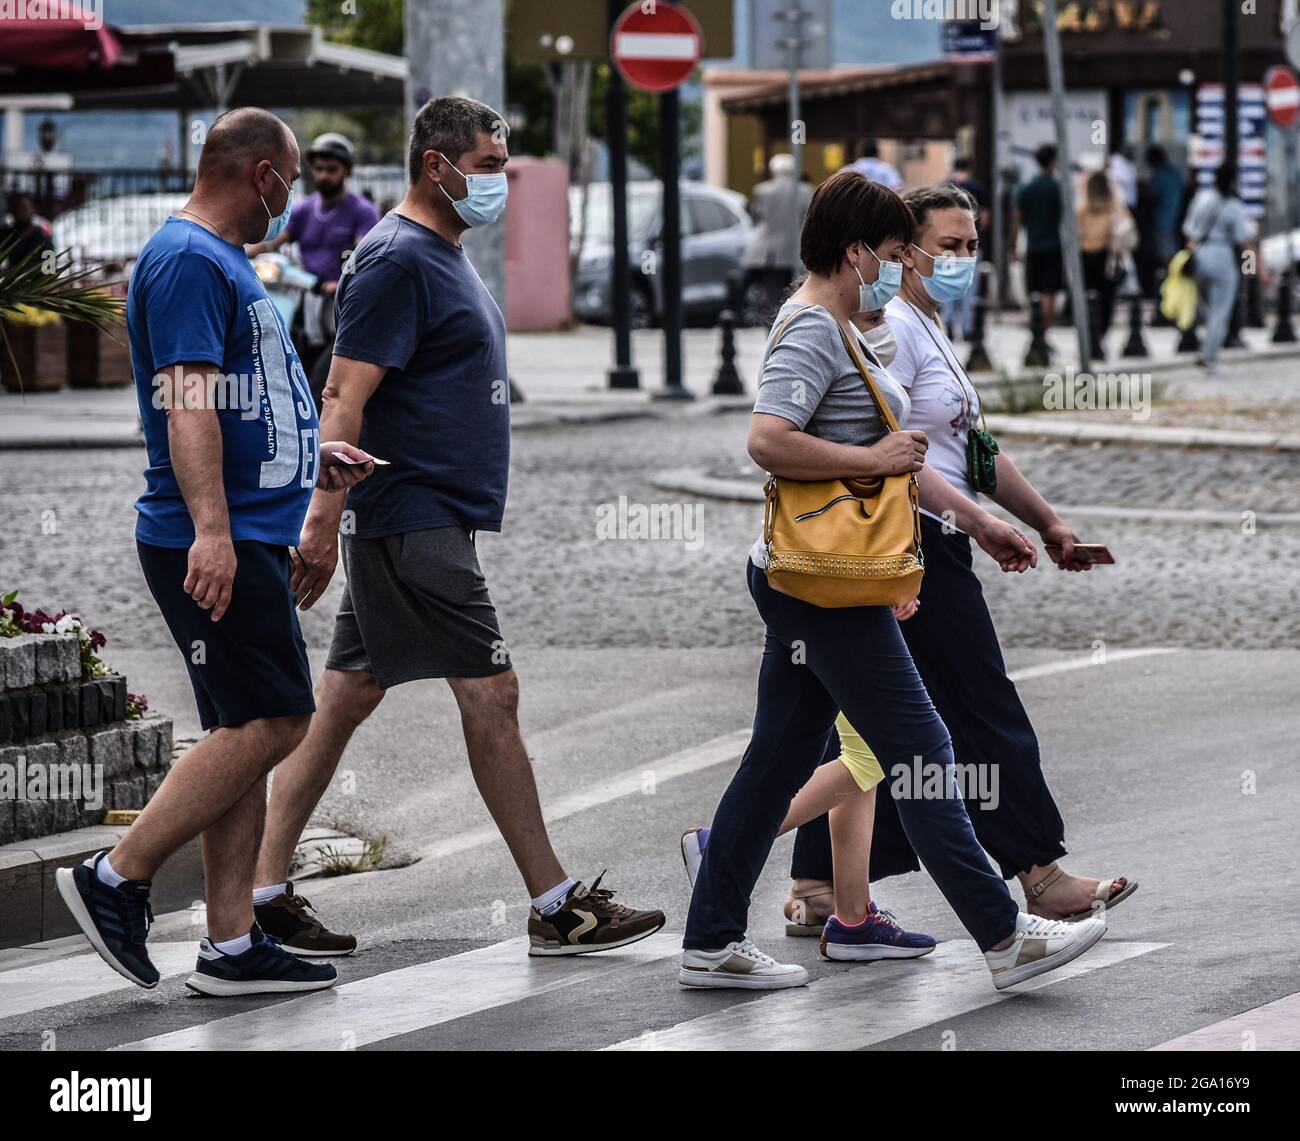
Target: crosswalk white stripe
861,1005
726,749
79,977
1110,657
1274,1026
717,751
411,998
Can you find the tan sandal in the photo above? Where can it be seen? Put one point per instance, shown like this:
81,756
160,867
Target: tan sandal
800,919
1102,900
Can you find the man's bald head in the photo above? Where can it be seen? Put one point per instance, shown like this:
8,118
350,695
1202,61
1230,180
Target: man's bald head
241,138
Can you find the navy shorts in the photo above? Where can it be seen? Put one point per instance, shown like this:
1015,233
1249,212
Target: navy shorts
251,664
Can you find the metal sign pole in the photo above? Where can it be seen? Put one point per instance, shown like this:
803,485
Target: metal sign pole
1069,220
670,171
624,373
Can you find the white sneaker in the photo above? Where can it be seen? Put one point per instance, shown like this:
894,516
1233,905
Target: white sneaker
693,844
1042,945
740,965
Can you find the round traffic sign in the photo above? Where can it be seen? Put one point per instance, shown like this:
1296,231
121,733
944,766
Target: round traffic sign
1282,96
655,45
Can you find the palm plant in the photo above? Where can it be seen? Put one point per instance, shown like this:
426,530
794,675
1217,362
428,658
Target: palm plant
53,284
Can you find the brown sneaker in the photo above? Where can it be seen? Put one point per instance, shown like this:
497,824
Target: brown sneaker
589,920
289,919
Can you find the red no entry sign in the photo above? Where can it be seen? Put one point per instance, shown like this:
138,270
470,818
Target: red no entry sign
1282,96
656,45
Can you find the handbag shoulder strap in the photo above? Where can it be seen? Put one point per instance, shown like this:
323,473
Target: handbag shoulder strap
785,324
855,355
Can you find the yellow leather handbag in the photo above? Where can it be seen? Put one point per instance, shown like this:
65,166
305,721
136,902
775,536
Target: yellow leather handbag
845,542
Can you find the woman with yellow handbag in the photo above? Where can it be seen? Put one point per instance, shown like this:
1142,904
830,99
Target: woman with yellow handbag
952,639
839,549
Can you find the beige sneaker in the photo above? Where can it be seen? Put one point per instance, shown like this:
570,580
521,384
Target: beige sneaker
740,965
1041,945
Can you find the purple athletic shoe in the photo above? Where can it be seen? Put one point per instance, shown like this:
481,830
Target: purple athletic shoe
693,844
876,937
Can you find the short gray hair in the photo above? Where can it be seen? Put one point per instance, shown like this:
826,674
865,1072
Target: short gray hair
451,126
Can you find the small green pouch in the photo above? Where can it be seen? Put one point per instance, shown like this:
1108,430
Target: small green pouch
981,460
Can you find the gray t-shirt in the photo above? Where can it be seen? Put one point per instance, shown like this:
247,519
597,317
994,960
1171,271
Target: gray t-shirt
809,379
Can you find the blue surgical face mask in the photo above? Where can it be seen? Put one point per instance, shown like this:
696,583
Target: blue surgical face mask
884,289
275,227
952,278
484,199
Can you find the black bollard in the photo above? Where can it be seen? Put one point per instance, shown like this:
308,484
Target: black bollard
1040,352
1284,333
1255,303
979,361
1189,342
1094,325
727,382
1136,345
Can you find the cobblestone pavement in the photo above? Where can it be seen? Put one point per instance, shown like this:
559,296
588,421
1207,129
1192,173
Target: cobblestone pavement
557,584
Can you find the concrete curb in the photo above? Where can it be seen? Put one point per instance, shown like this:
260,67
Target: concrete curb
31,910
1074,431
527,417
746,491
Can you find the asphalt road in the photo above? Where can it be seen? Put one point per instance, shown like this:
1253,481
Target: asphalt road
1148,757
637,661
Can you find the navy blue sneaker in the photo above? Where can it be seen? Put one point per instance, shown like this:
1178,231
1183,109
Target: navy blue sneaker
115,919
265,968
876,937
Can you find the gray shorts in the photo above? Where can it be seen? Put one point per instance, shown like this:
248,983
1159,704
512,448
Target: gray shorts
416,605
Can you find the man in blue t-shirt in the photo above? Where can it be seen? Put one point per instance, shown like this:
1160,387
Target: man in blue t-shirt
234,452
419,376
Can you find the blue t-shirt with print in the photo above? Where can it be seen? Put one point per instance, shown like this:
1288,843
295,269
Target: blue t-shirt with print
196,299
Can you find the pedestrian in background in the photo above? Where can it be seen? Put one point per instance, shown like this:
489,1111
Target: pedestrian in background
26,229
326,225
1107,236
1217,229
771,258
1039,207
959,314
1165,186
227,489
870,165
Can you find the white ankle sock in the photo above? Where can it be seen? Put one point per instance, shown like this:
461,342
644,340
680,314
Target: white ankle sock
552,900
266,894
104,870
235,946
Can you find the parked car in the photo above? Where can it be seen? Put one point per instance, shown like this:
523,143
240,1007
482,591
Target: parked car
1280,252
715,231
114,230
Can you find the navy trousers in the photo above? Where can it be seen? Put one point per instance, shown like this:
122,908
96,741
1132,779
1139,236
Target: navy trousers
816,662
956,651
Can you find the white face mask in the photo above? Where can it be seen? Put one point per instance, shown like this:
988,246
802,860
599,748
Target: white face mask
883,343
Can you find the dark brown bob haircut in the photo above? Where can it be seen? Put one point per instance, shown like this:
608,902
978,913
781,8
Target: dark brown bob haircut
848,207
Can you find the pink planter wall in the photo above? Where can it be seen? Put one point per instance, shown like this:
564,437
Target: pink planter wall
537,245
